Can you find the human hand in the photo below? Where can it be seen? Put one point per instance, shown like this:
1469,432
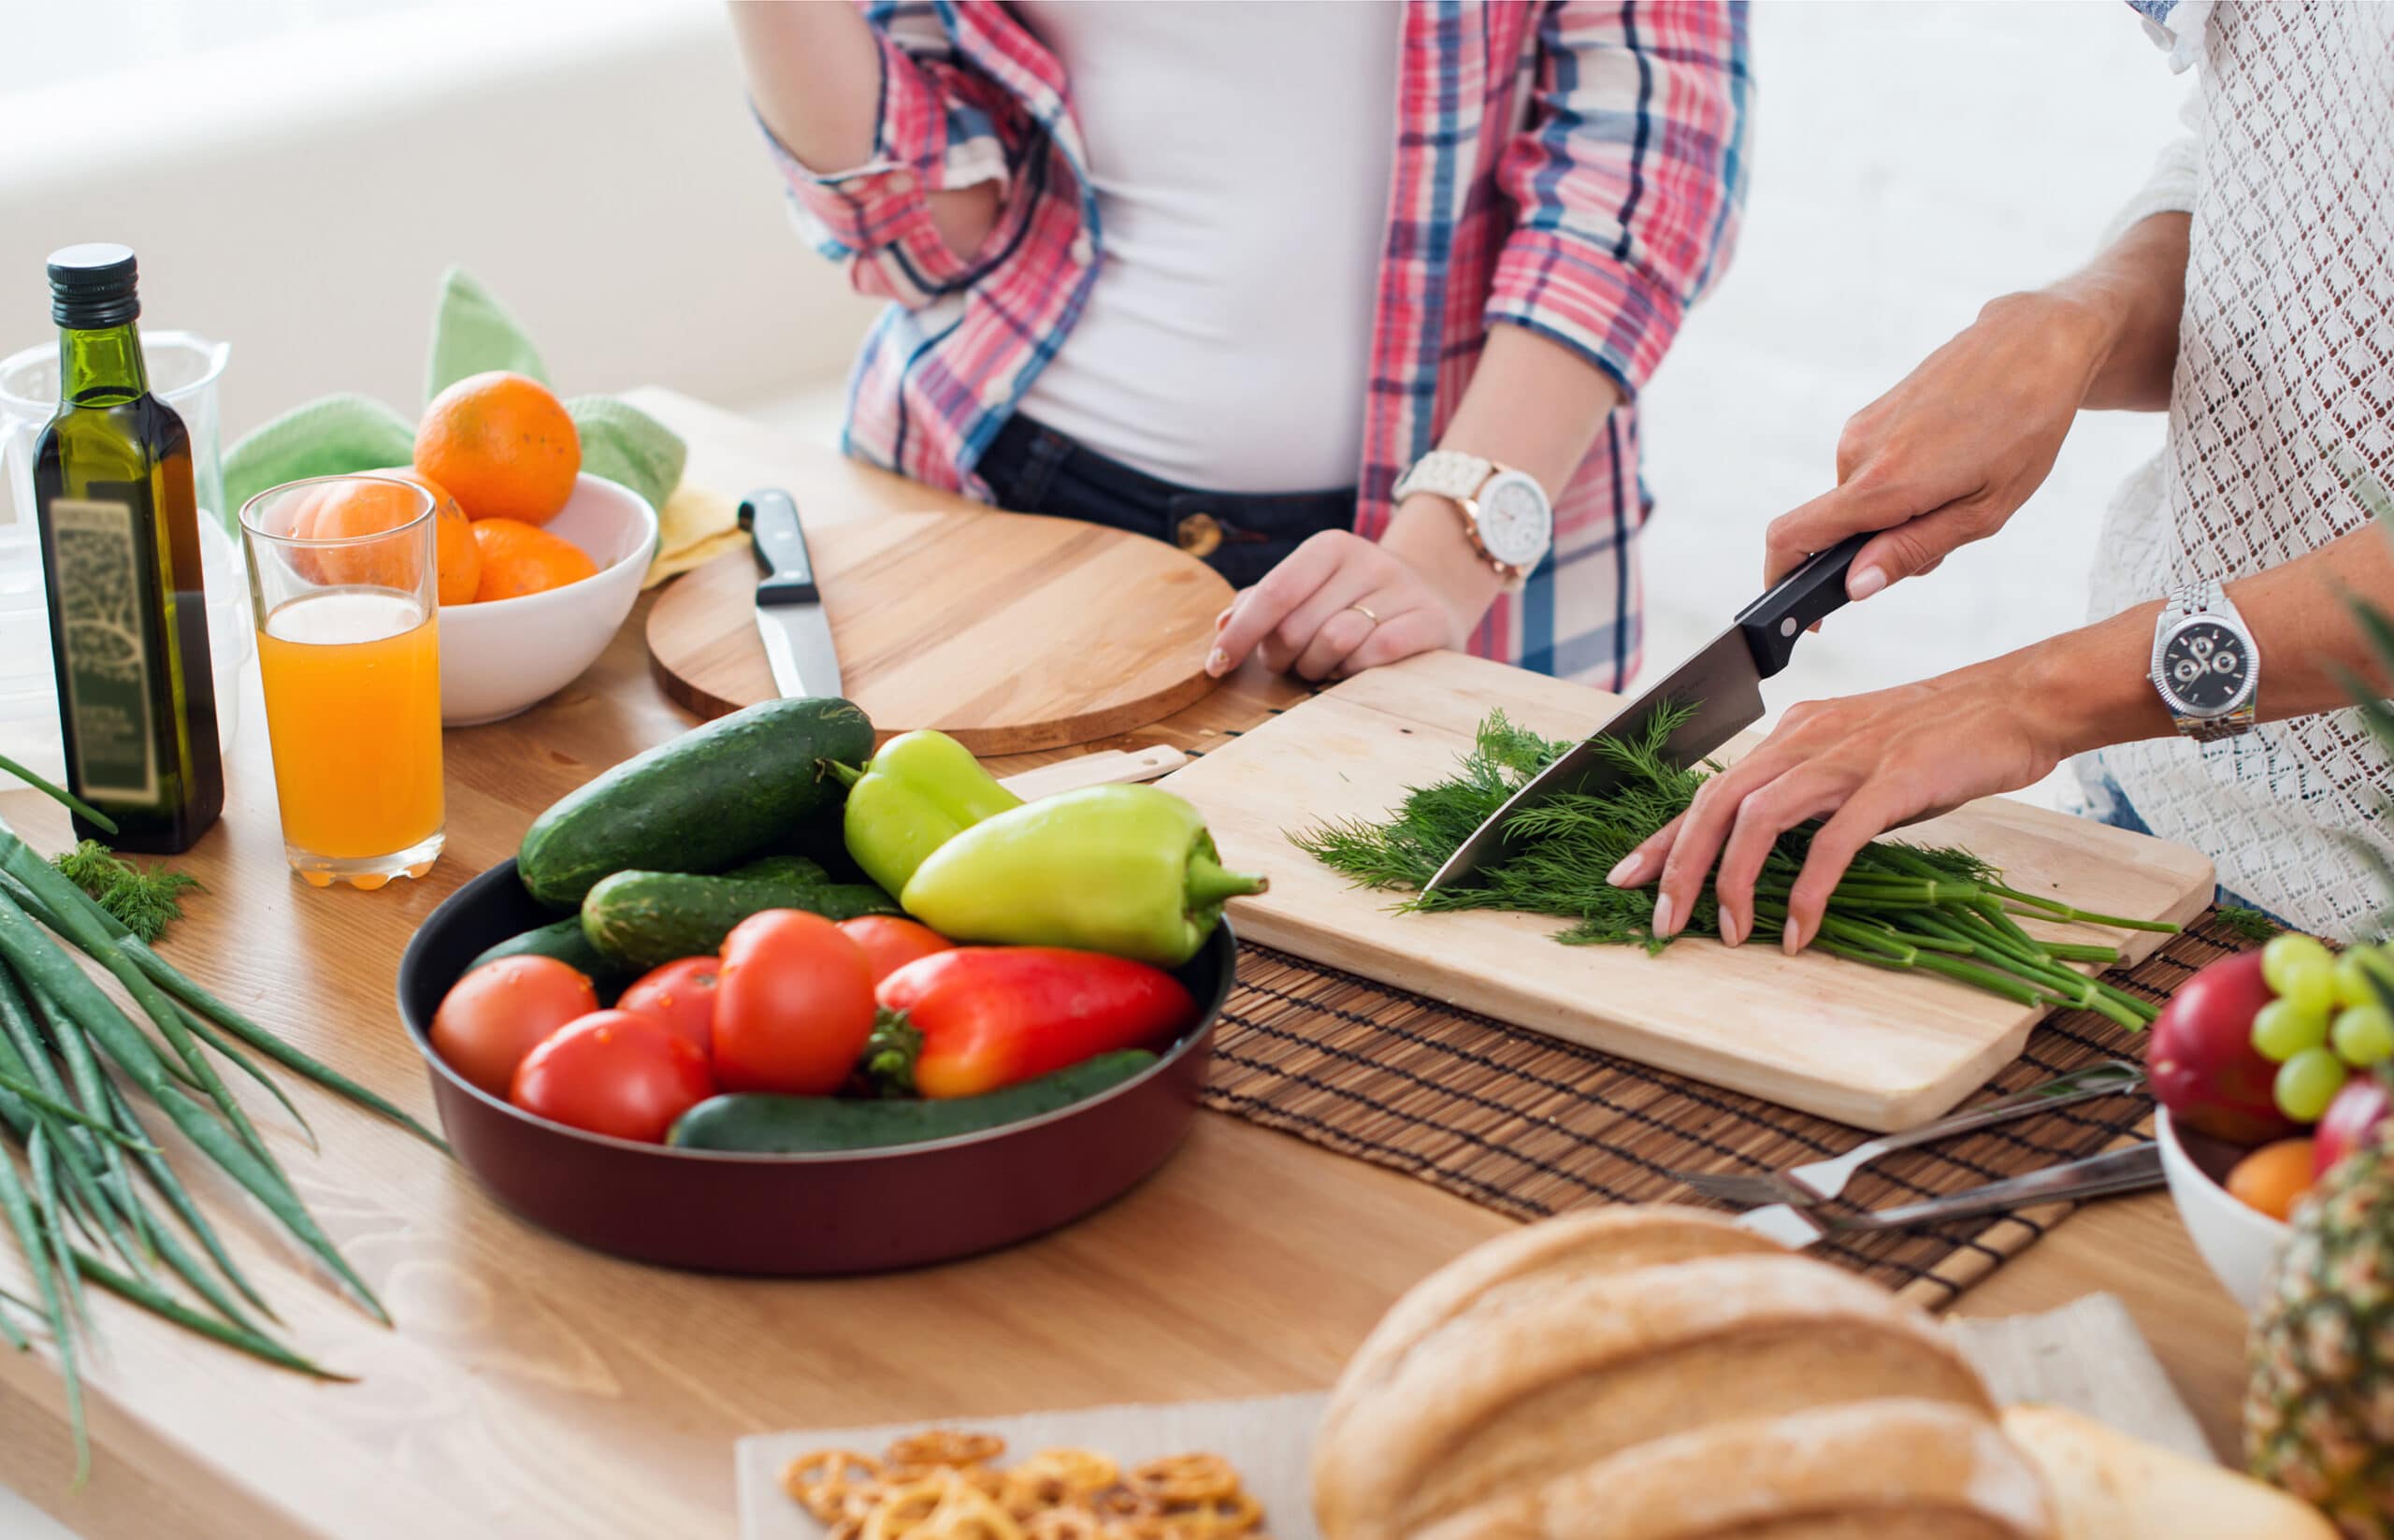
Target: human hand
1951,454
1865,765
1421,585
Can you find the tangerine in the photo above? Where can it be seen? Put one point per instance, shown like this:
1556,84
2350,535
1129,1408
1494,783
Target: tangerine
520,558
503,444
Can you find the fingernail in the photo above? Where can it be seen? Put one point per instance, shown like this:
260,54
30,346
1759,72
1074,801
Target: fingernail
1217,662
1791,940
1731,931
1663,926
1624,870
1866,582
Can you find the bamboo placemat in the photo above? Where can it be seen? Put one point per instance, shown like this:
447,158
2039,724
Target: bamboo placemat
1530,1126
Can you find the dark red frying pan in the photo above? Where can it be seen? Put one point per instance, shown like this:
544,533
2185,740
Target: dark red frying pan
793,1215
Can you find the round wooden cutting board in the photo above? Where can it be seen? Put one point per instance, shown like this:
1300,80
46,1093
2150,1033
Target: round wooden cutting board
1009,631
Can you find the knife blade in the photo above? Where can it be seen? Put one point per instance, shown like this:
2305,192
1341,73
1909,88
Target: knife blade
1723,680
790,606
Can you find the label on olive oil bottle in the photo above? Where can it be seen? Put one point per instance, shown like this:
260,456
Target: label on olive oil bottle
108,667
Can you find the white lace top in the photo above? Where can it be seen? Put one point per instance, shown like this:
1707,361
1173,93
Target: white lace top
2285,354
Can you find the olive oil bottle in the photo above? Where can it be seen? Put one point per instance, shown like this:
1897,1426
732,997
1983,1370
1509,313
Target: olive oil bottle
119,537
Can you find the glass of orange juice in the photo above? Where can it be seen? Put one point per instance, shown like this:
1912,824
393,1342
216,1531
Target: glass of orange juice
343,578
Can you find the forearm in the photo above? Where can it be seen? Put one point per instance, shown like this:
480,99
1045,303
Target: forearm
1533,404
814,73
2133,294
2091,684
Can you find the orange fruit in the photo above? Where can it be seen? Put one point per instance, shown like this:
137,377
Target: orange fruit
519,558
460,556
2272,1178
341,510
502,444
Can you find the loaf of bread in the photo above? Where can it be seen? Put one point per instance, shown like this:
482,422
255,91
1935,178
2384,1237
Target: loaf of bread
2107,1486
1658,1374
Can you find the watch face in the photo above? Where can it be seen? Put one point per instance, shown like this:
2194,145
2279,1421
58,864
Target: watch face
2205,666
1515,522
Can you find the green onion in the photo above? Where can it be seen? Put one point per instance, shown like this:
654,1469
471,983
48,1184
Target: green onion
1899,906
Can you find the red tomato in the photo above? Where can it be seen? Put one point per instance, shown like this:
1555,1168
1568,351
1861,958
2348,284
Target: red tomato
793,1006
679,997
890,944
614,1072
503,1010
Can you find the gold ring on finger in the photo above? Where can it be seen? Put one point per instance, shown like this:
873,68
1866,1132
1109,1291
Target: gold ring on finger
1365,611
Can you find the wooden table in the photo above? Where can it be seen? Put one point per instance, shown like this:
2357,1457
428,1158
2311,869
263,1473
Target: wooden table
535,1389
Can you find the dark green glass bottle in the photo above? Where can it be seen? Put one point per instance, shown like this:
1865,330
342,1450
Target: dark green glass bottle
119,537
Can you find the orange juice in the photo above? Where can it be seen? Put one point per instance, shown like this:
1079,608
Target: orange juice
353,707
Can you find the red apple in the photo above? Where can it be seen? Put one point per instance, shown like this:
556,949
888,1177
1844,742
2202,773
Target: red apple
2201,1060
2350,1121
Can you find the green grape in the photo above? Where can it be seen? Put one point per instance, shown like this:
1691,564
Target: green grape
2307,1083
2311,986
2356,970
2289,955
2282,1029
2364,1035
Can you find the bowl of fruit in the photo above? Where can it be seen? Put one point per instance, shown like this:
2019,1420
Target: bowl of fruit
765,999
539,561
2270,1068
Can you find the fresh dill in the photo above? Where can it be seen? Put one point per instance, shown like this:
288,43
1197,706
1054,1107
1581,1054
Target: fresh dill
2251,924
1899,905
143,902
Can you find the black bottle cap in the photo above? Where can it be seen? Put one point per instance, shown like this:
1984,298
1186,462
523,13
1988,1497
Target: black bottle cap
91,286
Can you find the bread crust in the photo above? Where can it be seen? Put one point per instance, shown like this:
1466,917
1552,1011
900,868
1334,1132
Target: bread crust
1590,1352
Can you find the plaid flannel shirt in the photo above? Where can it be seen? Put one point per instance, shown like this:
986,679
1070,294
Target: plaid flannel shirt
1573,167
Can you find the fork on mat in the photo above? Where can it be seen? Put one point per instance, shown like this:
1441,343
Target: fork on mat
2133,1169
1821,1180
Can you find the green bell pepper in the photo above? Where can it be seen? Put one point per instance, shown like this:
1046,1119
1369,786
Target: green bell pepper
1125,870
921,789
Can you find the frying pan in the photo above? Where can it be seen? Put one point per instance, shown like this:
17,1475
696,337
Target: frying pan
859,1211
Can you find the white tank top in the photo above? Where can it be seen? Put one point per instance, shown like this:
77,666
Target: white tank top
1241,156
2284,356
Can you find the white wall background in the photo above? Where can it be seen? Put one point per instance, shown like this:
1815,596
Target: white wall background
296,173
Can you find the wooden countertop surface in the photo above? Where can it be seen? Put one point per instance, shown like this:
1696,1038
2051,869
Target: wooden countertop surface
534,1389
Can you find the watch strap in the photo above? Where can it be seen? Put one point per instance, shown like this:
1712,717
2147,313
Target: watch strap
1447,473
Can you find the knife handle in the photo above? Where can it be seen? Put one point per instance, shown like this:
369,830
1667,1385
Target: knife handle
770,519
1773,622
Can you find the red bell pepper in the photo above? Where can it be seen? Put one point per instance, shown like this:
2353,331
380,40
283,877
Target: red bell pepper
982,1018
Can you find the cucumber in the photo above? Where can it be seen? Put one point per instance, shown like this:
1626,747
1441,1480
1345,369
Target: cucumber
803,1125
641,919
718,794
565,942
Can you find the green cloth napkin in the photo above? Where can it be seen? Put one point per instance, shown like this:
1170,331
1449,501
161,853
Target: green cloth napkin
471,333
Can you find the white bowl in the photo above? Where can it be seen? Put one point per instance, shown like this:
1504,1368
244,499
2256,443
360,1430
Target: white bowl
2238,1242
503,657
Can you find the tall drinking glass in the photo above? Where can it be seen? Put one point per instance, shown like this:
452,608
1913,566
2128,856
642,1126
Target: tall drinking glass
344,577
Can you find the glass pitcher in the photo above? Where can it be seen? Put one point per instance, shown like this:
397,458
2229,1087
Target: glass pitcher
183,371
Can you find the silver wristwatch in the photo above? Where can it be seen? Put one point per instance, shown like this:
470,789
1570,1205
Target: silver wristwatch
1505,514
2204,663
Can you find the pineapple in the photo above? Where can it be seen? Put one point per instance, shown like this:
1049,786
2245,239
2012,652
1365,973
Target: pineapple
2319,1409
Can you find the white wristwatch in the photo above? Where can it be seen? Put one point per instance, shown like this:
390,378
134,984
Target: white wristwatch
1505,513
2204,663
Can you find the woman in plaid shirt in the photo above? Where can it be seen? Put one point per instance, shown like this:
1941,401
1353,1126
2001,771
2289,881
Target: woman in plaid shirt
1153,293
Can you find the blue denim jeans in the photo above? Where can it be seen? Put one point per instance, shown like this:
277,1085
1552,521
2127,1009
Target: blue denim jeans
1241,535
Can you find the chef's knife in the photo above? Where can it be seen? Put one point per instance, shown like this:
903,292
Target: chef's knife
790,607
1723,683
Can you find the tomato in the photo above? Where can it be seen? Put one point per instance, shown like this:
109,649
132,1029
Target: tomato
793,1006
502,1011
890,944
679,997
614,1072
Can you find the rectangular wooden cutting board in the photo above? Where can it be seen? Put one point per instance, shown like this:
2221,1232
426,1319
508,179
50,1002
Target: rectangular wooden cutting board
1878,1049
